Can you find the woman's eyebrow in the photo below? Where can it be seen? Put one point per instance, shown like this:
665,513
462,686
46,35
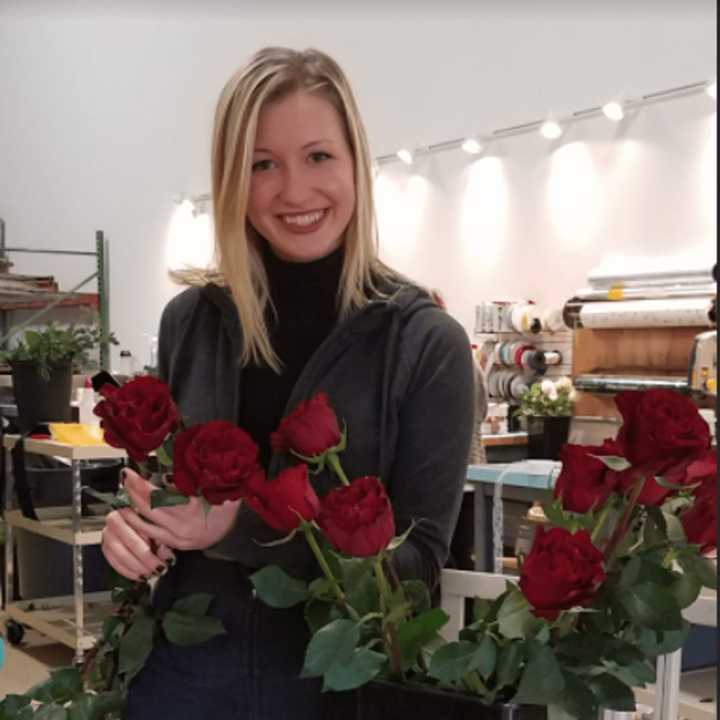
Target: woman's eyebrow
304,147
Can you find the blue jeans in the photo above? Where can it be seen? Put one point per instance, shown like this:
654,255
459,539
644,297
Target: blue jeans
251,673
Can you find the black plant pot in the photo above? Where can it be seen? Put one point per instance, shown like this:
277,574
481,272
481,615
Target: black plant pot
381,700
40,400
546,436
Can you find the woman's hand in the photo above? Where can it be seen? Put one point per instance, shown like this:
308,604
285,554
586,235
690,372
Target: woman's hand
131,552
138,541
182,527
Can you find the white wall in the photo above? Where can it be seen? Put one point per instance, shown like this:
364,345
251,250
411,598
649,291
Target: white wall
106,109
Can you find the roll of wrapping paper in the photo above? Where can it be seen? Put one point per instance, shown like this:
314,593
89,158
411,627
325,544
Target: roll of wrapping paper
671,312
701,274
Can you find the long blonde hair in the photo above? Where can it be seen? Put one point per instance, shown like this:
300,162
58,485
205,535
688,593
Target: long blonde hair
273,73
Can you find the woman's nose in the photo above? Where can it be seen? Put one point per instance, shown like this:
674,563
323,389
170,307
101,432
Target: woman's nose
295,188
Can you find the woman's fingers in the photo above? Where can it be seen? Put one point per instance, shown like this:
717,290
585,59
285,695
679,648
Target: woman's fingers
156,532
126,551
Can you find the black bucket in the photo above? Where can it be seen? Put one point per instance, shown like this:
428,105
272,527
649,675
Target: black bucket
39,400
546,436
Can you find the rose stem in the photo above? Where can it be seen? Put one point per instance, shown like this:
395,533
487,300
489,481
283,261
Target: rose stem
334,463
624,522
313,543
389,632
600,523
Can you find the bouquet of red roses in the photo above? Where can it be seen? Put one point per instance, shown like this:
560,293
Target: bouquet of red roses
600,593
215,462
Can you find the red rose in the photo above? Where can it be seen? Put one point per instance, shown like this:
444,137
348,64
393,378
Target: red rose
562,571
137,416
357,518
659,424
282,501
700,521
584,481
216,460
309,430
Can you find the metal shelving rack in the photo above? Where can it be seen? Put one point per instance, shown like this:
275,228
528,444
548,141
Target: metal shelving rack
47,301
71,620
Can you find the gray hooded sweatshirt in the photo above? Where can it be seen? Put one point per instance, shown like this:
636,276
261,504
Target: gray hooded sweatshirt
399,372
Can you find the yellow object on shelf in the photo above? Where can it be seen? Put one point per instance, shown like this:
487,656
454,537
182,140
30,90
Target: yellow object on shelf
76,434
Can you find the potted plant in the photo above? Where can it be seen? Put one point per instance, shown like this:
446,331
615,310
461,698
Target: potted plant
42,363
547,407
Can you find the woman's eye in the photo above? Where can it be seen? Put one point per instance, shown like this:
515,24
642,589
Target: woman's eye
319,156
261,165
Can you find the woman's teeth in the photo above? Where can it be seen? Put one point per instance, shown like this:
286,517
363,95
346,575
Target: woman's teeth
304,220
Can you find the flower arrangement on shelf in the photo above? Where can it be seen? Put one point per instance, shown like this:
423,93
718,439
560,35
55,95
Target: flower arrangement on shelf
600,594
548,398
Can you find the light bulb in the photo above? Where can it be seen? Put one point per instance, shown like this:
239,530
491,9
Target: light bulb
613,110
551,130
406,156
472,146
711,89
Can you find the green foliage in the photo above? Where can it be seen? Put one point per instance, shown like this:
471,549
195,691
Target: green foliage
54,345
535,402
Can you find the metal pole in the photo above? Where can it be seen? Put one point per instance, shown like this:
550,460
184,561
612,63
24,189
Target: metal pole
78,563
103,283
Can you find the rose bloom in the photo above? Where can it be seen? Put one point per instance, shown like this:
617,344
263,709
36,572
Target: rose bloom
562,571
660,424
357,519
137,416
284,500
215,460
584,481
700,521
309,430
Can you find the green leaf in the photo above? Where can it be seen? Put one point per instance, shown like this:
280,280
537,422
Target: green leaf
62,685
485,657
614,462
508,666
418,594
685,589
675,530
413,634
635,674
514,617
319,613
583,647
277,589
164,497
163,457
136,645
612,693
542,681
196,604
653,643
662,482
578,699
332,644
699,566
450,662
362,667
184,629
648,605
50,712
321,588
397,541
481,609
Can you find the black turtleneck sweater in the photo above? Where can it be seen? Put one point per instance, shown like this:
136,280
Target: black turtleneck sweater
305,298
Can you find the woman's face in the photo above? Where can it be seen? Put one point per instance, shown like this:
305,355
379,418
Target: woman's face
302,189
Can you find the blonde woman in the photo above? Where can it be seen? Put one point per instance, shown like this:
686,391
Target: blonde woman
300,303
